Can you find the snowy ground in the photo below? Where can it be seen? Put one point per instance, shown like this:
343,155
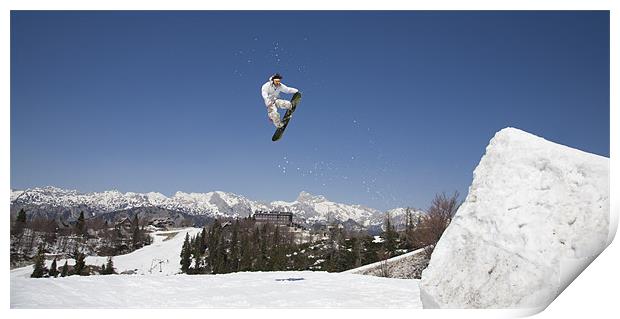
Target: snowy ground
239,290
154,289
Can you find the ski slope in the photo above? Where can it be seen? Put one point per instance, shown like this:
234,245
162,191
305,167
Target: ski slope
139,261
168,289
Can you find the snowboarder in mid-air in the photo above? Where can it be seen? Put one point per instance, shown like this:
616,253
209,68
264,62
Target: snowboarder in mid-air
270,92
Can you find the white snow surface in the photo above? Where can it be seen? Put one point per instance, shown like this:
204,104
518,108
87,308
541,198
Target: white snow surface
536,214
237,290
167,289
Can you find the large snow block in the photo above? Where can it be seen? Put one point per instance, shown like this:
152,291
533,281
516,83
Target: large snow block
537,213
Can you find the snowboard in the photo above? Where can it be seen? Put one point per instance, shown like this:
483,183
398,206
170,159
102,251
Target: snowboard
287,117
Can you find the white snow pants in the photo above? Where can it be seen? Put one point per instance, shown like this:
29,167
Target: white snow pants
272,110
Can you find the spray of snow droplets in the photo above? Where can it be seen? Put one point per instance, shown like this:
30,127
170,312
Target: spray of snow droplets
371,176
276,55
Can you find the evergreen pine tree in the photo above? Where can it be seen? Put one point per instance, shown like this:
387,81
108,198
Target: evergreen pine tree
220,258
197,255
409,235
245,258
338,254
278,252
54,269
65,270
369,251
186,255
217,249
109,267
357,252
39,263
203,239
20,222
80,265
103,270
263,257
205,249
390,235
234,248
257,256
209,251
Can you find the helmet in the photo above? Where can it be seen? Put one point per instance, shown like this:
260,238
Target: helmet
275,76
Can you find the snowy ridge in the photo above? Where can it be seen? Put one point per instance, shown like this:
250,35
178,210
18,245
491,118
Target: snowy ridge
536,214
319,209
307,207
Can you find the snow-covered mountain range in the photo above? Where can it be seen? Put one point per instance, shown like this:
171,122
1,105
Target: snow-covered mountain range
306,208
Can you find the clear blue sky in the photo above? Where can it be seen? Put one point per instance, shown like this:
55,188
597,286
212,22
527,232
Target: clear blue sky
397,106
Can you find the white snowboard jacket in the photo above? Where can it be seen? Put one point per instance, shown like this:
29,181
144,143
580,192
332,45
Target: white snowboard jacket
270,92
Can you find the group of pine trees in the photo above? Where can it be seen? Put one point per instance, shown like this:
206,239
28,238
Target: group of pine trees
344,250
80,268
244,245
239,245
